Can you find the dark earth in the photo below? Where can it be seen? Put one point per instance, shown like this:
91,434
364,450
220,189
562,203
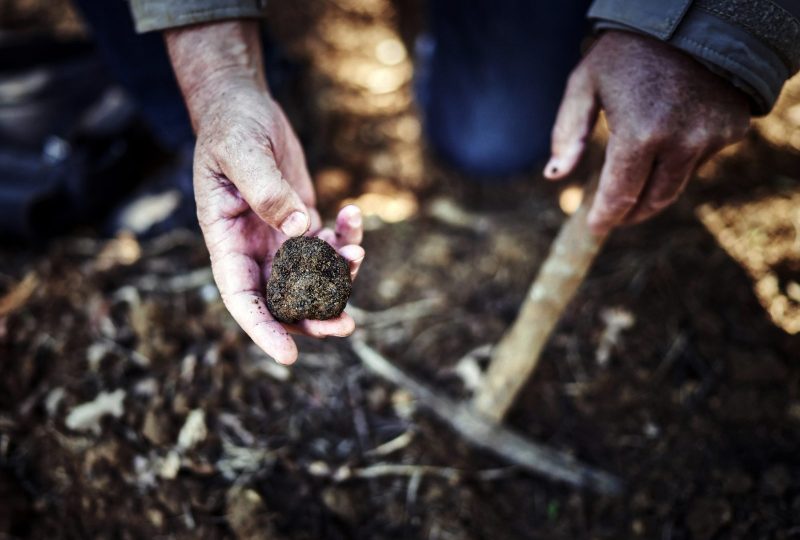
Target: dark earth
309,280
694,403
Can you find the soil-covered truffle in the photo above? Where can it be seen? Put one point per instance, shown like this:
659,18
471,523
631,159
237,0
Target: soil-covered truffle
309,280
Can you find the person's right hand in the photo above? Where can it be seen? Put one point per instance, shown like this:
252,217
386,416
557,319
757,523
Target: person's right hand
252,187
666,113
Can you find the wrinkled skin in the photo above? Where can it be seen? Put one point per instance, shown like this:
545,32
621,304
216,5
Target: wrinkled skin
252,187
666,114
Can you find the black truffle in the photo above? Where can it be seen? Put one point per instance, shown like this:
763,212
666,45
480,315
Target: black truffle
309,280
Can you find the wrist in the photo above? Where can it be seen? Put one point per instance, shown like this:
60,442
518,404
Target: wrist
214,63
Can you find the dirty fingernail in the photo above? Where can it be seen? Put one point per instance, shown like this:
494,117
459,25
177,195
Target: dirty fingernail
295,225
553,167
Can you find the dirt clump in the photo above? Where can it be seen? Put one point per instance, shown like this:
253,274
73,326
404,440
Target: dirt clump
309,280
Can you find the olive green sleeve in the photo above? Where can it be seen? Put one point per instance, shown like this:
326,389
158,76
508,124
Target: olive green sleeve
755,44
150,15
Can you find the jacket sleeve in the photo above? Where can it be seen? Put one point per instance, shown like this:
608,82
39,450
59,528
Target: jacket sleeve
149,15
755,44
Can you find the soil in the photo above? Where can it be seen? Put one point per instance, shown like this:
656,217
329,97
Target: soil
695,405
309,280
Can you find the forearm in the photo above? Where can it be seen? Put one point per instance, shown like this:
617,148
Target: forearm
752,44
210,60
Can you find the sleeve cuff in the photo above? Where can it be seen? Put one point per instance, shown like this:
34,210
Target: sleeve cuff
151,15
726,49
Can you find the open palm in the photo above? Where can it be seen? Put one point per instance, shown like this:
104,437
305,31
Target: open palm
250,183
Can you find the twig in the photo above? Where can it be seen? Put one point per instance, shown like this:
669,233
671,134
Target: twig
451,474
676,348
389,447
411,492
516,356
488,435
360,423
19,294
180,283
410,311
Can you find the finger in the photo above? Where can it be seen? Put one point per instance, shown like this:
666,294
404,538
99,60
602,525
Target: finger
625,171
316,221
341,326
349,226
671,173
256,175
354,255
328,235
574,123
238,279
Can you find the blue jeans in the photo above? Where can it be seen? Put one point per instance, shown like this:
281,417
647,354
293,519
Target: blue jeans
490,82
490,76
139,62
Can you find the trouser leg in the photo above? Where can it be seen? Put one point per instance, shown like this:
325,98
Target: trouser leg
140,63
493,77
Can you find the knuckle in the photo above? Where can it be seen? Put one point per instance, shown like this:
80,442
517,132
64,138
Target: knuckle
659,203
269,203
698,137
576,79
646,137
223,147
617,203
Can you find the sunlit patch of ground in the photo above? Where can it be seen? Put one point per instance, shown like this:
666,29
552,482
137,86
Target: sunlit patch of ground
764,237
761,230
362,73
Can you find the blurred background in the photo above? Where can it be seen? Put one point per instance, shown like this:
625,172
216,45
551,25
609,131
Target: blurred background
131,405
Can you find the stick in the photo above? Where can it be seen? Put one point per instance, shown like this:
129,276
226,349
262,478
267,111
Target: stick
516,355
488,435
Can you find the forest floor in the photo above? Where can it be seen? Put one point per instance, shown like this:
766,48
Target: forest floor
675,367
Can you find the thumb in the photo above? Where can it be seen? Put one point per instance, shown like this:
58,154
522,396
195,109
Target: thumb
257,176
575,120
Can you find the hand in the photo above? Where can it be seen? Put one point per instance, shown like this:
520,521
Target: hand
251,184
666,114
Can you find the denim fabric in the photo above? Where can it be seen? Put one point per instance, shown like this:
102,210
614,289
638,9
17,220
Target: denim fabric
495,76
490,78
141,65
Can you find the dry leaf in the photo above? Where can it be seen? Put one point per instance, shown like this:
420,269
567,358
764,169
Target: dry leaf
18,295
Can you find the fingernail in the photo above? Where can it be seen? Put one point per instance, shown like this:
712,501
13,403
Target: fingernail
552,167
295,225
354,221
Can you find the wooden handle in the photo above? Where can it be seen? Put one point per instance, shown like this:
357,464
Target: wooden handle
517,354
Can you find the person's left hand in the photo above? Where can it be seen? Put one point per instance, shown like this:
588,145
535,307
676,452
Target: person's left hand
251,183
666,114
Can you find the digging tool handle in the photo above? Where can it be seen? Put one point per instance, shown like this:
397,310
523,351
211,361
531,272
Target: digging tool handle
515,357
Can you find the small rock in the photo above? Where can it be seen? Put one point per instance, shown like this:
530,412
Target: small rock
53,400
340,502
309,280
86,417
170,466
193,431
155,517
248,516
146,387
95,354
